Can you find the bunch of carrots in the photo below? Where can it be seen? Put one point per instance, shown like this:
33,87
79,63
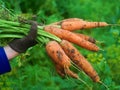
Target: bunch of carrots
60,44
63,52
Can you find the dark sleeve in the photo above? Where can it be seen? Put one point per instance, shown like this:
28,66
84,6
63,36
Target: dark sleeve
4,63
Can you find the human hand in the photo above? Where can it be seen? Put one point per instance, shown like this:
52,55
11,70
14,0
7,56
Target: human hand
21,45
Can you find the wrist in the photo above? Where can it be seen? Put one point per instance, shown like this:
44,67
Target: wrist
10,53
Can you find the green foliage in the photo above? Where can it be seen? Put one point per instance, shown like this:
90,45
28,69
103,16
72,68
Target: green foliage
34,69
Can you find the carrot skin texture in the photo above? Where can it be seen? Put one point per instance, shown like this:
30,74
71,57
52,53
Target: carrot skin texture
72,25
79,60
70,36
80,25
57,54
71,73
88,38
69,19
60,70
61,60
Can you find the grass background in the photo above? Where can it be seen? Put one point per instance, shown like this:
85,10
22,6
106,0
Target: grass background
34,70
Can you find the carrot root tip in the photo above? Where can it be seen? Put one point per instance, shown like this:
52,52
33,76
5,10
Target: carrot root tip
104,85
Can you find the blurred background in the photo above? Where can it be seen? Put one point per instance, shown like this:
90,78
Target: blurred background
34,70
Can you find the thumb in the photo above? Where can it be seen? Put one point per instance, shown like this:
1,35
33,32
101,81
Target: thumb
33,30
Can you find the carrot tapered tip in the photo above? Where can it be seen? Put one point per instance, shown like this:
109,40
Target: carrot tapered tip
104,85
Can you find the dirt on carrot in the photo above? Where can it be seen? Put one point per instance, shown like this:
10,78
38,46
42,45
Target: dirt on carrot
88,38
61,60
81,24
79,60
72,37
69,19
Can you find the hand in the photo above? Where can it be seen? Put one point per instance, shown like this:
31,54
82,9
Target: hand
21,45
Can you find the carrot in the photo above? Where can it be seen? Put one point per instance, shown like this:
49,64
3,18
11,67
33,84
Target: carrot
71,73
88,38
69,19
72,19
60,70
79,60
80,24
57,54
67,35
59,57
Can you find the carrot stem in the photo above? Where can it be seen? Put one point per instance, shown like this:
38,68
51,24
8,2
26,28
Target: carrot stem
84,82
10,29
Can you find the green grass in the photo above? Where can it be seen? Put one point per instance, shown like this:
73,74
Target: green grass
34,70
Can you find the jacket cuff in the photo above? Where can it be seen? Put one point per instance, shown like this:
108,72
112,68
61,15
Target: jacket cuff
4,62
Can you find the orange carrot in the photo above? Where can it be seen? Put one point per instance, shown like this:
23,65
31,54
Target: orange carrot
69,19
59,57
57,54
80,24
67,35
88,38
79,60
60,70
71,73
72,19
63,71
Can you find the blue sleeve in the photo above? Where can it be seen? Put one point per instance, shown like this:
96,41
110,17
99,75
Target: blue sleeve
4,63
